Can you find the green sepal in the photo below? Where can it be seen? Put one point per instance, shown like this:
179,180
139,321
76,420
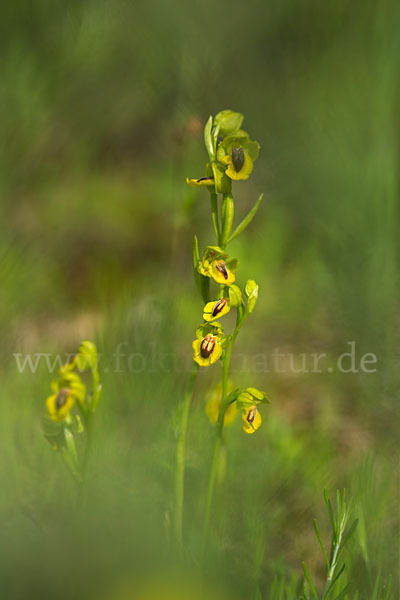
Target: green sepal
212,253
258,394
232,264
227,122
224,340
246,221
240,140
251,396
235,295
251,291
215,328
253,149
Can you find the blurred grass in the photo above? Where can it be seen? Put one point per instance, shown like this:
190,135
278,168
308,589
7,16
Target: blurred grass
102,105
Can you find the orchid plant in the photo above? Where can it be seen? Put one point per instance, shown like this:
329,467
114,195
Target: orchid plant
71,407
231,157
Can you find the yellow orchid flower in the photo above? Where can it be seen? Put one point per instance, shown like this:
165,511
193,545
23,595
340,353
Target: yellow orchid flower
251,419
238,153
207,348
221,273
218,270
207,351
215,265
248,400
217,308
60,404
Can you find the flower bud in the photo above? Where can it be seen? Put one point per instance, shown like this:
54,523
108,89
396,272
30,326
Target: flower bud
228,122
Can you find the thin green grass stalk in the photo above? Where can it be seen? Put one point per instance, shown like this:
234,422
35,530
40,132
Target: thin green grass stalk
218,438
180,455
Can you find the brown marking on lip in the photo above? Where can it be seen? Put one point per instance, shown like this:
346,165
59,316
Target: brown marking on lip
61,398
237,158
207,345
219,306
221,267
251,415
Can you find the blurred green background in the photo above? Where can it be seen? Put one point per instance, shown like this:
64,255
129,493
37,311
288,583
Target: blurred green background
102,108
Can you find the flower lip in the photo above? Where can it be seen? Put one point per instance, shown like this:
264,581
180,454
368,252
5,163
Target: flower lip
61,398
219,306
251,415
221,267
237,158
207,345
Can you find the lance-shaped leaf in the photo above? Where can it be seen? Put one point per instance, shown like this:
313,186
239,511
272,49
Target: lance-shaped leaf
196,260
208,138
246,221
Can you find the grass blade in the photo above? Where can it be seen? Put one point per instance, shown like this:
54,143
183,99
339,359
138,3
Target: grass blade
309,580
246,221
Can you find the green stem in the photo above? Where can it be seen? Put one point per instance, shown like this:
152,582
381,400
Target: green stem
214,214
180,455
218,438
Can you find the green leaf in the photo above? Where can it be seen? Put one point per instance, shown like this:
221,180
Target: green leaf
309,580
196,260
246,221
321,543
227,213
235,295
330,511
251,290
334,580
343,592
350,532
208,138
